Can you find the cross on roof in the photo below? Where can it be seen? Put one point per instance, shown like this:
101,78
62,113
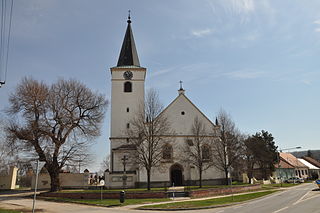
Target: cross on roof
181,85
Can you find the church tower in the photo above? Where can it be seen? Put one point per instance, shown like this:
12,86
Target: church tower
127,95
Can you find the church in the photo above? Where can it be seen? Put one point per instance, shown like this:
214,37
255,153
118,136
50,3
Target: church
127,94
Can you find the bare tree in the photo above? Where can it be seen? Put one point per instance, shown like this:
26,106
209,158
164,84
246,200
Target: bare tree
228,148
105,164
198,148
54,123
147,133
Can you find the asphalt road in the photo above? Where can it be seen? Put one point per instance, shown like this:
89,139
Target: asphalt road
297,199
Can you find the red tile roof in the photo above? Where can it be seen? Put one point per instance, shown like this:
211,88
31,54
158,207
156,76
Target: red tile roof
292,160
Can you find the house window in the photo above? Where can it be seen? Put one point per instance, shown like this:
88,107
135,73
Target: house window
167,152
302,172
205,152
127,109
127,86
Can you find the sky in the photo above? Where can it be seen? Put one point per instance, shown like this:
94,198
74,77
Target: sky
257,60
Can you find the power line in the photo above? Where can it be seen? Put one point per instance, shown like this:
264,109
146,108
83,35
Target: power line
8,43
5,34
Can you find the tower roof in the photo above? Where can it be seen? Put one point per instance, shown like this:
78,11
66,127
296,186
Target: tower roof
128,55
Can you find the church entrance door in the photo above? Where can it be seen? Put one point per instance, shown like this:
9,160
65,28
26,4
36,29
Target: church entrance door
176,175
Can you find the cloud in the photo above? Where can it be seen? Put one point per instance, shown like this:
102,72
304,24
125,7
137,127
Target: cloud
233,6
317,21
201,33
317,30
244,74
306,82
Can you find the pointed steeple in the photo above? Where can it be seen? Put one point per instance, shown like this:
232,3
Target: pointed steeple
128,55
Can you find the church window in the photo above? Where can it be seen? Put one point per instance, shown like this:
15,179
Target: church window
182,113
127,86
167,152
127,109
205,152
128,125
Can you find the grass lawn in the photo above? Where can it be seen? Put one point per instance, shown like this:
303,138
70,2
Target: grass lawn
8,211
210,202
234,184
278,185
110,202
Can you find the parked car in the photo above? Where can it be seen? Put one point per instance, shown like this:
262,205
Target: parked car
294,180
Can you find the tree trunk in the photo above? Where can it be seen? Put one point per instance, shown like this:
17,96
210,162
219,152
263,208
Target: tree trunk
148,179
226,176
54,177
200,178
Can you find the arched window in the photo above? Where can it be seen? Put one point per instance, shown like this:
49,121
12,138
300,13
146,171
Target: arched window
127,86
167,152
205,152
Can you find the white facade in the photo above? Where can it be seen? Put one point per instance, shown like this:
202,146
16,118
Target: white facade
180,113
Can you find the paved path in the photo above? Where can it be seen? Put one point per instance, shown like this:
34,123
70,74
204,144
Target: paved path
297,199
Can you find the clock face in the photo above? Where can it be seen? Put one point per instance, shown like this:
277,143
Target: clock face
127,75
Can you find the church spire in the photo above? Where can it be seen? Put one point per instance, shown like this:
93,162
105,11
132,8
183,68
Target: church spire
128,55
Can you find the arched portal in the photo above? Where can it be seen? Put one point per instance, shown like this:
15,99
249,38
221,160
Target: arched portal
176,175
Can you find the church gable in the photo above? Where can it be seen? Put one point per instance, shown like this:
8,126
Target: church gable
181,114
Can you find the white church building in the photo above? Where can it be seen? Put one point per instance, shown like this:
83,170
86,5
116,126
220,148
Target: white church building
127,94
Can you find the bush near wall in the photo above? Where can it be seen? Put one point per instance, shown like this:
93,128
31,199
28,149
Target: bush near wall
223,191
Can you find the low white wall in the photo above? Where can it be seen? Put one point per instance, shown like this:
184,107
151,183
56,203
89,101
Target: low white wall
67,180
9,181
116,180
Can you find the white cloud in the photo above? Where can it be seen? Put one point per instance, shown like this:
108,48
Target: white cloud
202,33
317,30
245,74
317,21
307,82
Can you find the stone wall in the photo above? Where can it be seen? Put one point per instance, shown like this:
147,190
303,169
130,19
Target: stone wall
9,181
221,191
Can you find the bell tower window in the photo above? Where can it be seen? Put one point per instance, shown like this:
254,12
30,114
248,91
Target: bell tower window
127,86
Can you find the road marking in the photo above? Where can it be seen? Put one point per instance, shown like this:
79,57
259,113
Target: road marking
298,201
281,209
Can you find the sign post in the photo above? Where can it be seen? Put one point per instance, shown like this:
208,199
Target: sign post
36,166
101,186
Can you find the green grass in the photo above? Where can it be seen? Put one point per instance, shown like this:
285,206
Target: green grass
277,185
217,186
8,211
210,202
234,184
109,202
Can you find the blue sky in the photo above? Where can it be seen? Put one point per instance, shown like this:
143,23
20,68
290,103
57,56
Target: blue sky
258,60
